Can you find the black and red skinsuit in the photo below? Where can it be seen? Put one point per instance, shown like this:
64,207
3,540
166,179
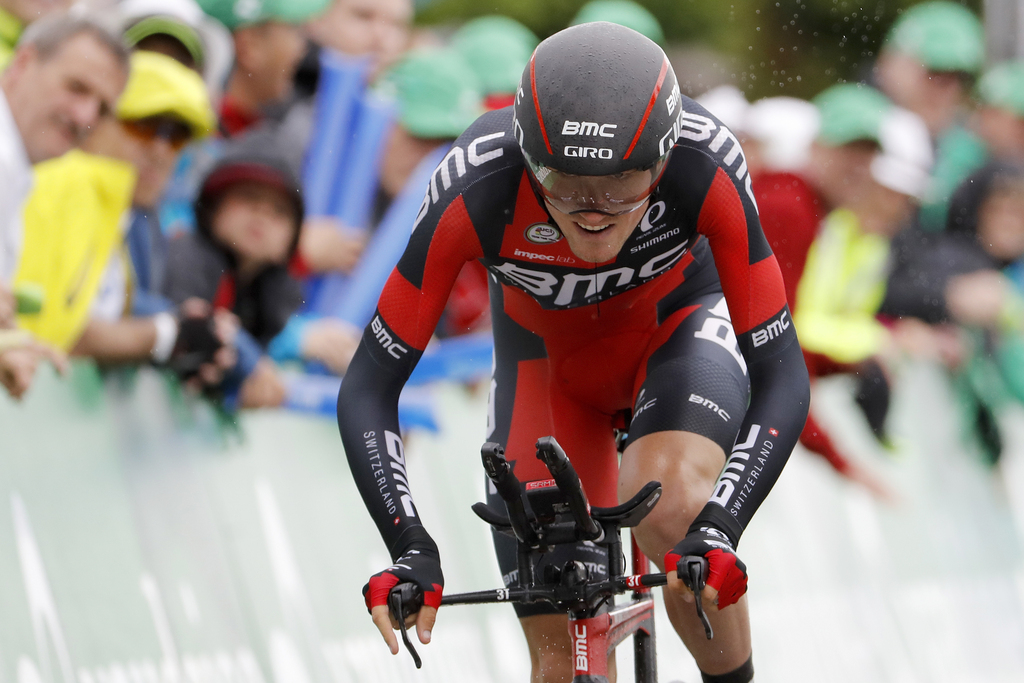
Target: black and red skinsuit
579,344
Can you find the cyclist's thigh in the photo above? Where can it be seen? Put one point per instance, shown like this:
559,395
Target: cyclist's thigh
694,378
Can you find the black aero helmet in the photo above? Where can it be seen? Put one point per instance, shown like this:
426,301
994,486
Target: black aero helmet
597,100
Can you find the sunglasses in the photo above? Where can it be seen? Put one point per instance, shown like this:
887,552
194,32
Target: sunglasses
613,195
173,132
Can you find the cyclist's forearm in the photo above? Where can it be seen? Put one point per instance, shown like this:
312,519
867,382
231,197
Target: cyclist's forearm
368,420
780,394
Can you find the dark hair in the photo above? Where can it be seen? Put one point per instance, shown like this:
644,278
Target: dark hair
966,202
50,34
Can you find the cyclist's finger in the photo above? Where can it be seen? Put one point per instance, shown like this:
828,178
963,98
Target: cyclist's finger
382,620
709,597
425,622
677,586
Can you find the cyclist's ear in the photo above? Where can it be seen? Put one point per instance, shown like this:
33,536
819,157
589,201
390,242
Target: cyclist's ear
425,623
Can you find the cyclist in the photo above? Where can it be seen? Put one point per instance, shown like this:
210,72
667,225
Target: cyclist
616,221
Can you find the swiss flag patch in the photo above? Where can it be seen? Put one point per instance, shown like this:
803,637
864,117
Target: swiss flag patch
773,431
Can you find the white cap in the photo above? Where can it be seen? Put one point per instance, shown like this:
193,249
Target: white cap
218,45
785,127
728,104
905,160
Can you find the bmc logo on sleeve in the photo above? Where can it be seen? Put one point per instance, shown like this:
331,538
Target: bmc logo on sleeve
772,330
384,338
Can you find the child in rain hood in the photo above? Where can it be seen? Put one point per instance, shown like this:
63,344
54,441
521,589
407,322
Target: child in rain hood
249,215
973,276
248,212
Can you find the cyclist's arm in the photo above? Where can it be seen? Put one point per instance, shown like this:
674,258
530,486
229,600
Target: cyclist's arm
779,385
408,310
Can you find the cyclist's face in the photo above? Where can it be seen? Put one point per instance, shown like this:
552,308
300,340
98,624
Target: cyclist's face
595,236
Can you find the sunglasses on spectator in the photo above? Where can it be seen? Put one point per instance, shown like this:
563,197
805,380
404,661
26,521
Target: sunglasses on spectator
174,132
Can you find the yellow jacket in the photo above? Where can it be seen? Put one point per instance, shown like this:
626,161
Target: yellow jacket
72,226
841,289
10,30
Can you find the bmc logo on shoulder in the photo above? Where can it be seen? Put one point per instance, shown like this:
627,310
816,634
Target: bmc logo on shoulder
586,128
774,329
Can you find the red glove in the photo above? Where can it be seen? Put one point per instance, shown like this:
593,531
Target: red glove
726,573
420,566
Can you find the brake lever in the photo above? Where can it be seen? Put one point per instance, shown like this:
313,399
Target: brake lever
694,580
403,600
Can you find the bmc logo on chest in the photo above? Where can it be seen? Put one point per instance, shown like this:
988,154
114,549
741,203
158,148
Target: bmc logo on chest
576,289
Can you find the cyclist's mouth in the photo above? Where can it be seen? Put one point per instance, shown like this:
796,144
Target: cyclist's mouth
593,228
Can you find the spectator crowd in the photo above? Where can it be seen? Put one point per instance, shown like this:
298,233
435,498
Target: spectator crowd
160,164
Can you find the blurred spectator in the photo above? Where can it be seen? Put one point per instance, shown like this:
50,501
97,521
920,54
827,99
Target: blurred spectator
973,276
438,98
497,48
15,15
928,65
847,142
269,44
999,119
844,279
376,29
62,80
180,29
74,219
622,12
249,216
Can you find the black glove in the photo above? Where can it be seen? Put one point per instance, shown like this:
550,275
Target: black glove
419,565
195,346
726,573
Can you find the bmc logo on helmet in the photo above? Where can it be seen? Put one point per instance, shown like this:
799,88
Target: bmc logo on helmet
588,152
588,129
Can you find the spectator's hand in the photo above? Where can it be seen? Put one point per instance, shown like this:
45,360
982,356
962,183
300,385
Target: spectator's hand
328,246
263,388
332,342
976,298
194,307
18,363
8,308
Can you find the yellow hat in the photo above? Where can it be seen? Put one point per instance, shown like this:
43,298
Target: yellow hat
159,85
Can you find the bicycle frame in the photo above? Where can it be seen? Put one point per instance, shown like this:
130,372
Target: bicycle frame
594,633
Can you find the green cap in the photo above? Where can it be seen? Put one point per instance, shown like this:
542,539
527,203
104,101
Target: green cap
624,13
850,112
160,25
437,93
497,48
236,13
1003,87
943,36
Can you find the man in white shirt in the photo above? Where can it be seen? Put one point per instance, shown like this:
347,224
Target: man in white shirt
65,76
